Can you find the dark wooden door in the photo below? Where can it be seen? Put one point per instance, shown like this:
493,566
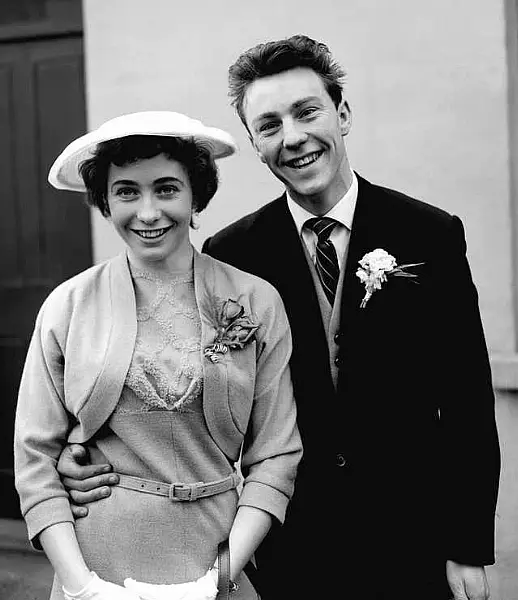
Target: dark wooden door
44,233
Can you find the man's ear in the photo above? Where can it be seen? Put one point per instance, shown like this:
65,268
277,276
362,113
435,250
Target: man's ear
345,116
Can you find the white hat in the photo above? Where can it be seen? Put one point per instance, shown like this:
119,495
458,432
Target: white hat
64,173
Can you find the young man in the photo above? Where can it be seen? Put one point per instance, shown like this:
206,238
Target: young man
396,493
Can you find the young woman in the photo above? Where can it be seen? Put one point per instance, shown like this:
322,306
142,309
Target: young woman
165,363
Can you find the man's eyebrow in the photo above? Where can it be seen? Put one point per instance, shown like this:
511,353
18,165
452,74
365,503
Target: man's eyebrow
303,101
295,106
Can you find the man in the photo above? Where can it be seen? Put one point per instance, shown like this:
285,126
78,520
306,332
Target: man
396,493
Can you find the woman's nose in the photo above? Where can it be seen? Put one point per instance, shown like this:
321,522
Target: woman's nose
148,211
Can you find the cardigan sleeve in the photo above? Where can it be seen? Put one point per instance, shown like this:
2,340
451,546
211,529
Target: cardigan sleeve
272,447
41,428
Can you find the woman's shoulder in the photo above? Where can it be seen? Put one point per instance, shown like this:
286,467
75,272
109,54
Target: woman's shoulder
77,289
243,281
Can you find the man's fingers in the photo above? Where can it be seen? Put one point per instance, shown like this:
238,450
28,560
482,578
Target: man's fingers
78,452
90,496
477,589
90,482
78,511
71,464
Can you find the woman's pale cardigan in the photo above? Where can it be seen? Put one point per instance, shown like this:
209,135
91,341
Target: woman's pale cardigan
77,362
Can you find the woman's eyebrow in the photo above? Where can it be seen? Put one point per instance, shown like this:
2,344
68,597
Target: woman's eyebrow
168,178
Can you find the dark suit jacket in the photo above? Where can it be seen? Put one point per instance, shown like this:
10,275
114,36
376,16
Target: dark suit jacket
413,416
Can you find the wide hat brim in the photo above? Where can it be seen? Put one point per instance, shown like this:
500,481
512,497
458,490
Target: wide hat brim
64,173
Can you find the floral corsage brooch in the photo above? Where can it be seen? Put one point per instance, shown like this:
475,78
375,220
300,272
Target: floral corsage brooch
376,267
234,329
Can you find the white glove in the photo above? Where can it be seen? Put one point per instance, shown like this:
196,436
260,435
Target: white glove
98,589
203,588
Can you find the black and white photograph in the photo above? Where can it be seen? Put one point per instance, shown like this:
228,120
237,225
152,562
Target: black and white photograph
258,300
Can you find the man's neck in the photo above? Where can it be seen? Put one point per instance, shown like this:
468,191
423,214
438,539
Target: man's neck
321,203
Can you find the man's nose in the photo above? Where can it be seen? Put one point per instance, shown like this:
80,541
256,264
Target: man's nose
294,134
148,211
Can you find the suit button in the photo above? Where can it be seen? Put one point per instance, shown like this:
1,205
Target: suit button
337,361
340,460
337,338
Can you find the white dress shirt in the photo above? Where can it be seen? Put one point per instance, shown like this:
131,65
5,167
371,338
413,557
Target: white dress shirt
342,212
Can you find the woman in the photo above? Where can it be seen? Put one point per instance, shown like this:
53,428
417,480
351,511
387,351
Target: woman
165,363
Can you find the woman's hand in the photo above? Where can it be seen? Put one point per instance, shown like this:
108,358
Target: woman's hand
203,588
98,589
84,482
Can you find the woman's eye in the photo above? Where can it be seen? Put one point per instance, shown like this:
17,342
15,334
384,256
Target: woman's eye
126,192
167,190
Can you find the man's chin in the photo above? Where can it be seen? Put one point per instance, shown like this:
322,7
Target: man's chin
308,190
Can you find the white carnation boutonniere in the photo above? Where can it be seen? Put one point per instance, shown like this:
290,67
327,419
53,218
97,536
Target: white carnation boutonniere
376,267
234,329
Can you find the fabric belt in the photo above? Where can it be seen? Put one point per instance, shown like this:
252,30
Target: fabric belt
179,492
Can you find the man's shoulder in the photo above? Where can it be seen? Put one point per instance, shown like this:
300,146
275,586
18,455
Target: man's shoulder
250,221
396,204
235,242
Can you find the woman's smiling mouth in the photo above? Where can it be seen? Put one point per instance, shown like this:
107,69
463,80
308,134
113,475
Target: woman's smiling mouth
151,234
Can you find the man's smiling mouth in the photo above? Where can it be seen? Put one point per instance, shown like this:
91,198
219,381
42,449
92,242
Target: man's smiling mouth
151,234
304,161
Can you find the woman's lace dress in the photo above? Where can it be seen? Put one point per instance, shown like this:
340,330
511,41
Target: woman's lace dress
158,432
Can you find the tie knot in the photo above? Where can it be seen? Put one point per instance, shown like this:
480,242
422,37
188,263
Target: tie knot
322,226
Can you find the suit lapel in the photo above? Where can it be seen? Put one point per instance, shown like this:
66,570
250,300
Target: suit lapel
362,240
373,227
286,267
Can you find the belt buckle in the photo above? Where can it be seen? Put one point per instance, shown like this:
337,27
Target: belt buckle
183,492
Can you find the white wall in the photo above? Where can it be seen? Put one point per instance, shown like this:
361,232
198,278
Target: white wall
427,85
426,81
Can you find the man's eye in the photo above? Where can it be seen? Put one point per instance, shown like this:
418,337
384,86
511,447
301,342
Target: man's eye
268,127
307,112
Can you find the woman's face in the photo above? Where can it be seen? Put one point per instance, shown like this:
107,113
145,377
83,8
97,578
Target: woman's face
151,205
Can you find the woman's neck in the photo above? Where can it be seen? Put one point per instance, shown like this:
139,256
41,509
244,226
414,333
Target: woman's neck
174,263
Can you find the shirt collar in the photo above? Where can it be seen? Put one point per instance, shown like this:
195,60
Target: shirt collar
342,211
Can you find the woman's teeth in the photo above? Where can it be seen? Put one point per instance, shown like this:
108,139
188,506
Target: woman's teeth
151,233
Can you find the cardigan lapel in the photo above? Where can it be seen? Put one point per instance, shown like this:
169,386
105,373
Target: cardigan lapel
216,405
120,306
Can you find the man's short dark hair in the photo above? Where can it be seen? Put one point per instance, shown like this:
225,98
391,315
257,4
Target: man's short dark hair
278,56
195,156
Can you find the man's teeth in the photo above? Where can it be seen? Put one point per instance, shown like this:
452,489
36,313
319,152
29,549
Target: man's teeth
304,161
153,233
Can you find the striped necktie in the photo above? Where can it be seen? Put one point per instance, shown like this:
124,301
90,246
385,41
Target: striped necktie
326,260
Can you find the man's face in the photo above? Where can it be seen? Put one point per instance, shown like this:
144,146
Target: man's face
297,132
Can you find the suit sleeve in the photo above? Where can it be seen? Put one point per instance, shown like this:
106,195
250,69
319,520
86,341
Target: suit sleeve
272,448
205,247
41,428
470,448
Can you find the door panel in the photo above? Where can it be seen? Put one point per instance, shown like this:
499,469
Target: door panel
44,233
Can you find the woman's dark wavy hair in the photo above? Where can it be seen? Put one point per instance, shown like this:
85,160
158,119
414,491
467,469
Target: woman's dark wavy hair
278,56
195,156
